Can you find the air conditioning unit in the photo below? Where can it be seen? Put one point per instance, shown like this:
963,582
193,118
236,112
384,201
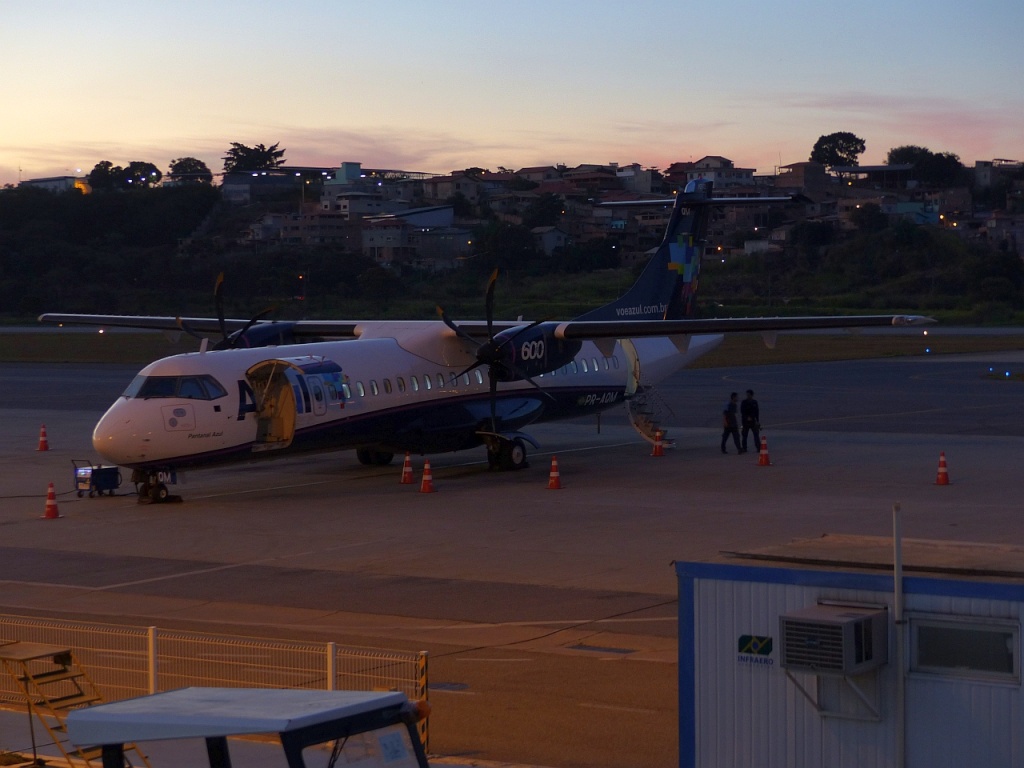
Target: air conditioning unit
834,639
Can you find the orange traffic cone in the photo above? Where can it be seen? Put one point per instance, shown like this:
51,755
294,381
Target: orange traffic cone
51,512
407,477
554,479
44,445
659,448
942,478
762,457
427,486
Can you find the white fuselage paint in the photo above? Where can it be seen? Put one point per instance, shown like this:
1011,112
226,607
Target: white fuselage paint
177,431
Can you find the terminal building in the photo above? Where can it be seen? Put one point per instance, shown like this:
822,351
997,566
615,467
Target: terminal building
808,655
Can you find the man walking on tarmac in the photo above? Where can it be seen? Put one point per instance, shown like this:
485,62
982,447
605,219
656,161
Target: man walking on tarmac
729,426
750,416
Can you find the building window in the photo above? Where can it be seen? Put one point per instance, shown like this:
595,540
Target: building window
965,647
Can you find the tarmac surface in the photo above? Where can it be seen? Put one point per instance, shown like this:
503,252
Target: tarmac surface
549,616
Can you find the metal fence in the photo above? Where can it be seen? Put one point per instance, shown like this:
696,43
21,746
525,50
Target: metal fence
125,661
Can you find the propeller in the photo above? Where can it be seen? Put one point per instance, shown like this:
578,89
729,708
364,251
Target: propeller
228,341
492,353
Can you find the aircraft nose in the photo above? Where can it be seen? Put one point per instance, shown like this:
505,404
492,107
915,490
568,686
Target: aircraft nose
118,437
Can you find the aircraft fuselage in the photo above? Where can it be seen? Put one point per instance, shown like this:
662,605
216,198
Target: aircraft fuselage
213,407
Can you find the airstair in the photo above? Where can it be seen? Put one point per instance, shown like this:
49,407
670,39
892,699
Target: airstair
648,412
54,683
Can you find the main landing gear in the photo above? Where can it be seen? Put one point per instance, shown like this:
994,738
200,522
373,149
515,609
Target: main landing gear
505,452
373,458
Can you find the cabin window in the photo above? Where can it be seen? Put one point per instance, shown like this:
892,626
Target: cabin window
965,647
584,362
347,391
479,376
455,380
373,387
401,384
594,361
387,386
465,379
360,389
606,363
440,381
415,384
615,363
426,381
187,387
573,367
213,388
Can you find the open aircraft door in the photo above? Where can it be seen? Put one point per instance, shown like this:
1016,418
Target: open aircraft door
287,389
633,361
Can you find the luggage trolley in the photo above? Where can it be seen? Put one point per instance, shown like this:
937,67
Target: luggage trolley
94,479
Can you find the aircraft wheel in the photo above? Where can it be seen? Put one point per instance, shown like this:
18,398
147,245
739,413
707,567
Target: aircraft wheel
80,493
159,492
373,458
513,454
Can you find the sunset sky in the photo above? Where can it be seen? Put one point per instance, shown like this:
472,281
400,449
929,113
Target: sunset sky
444,84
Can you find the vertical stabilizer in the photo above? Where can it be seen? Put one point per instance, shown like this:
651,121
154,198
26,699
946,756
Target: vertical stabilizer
667,288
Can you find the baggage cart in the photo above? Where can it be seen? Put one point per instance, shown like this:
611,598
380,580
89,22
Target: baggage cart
94,479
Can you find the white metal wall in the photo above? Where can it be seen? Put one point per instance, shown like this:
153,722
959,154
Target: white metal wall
750,714
977,720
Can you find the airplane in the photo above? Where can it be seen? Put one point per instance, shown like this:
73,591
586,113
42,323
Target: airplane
273,388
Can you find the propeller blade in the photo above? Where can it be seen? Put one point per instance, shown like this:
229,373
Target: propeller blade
494,400
218,301
187,328
458,331
489,303
234,338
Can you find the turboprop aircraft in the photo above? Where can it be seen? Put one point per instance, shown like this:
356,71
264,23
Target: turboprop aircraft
270,389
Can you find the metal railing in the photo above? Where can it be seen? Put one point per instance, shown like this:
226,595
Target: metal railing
126,661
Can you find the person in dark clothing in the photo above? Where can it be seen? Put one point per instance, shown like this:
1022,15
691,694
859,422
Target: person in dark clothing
750,417
729,424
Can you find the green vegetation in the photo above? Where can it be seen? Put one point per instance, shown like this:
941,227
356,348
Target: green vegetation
158,251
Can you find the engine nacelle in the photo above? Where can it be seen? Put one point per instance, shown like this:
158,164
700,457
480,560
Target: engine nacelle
529,351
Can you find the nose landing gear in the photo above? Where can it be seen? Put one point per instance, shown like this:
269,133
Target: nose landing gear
151,489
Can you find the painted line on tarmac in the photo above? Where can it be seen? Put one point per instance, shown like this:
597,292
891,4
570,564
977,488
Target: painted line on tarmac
886,414
615,708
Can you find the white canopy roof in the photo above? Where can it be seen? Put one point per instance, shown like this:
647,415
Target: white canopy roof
213,712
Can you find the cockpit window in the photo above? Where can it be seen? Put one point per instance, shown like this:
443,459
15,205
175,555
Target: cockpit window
186,387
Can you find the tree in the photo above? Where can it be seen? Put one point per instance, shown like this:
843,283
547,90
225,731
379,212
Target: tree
189,170
243,159
379,284
836,149
869,218
544,211
937,169
105,175
140,175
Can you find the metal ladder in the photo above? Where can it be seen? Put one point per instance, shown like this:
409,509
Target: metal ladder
54,683
647,411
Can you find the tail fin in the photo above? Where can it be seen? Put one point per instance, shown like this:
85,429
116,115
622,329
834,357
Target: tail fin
667,288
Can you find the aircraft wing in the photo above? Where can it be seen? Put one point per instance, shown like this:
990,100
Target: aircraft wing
206,325
625,329
572,329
